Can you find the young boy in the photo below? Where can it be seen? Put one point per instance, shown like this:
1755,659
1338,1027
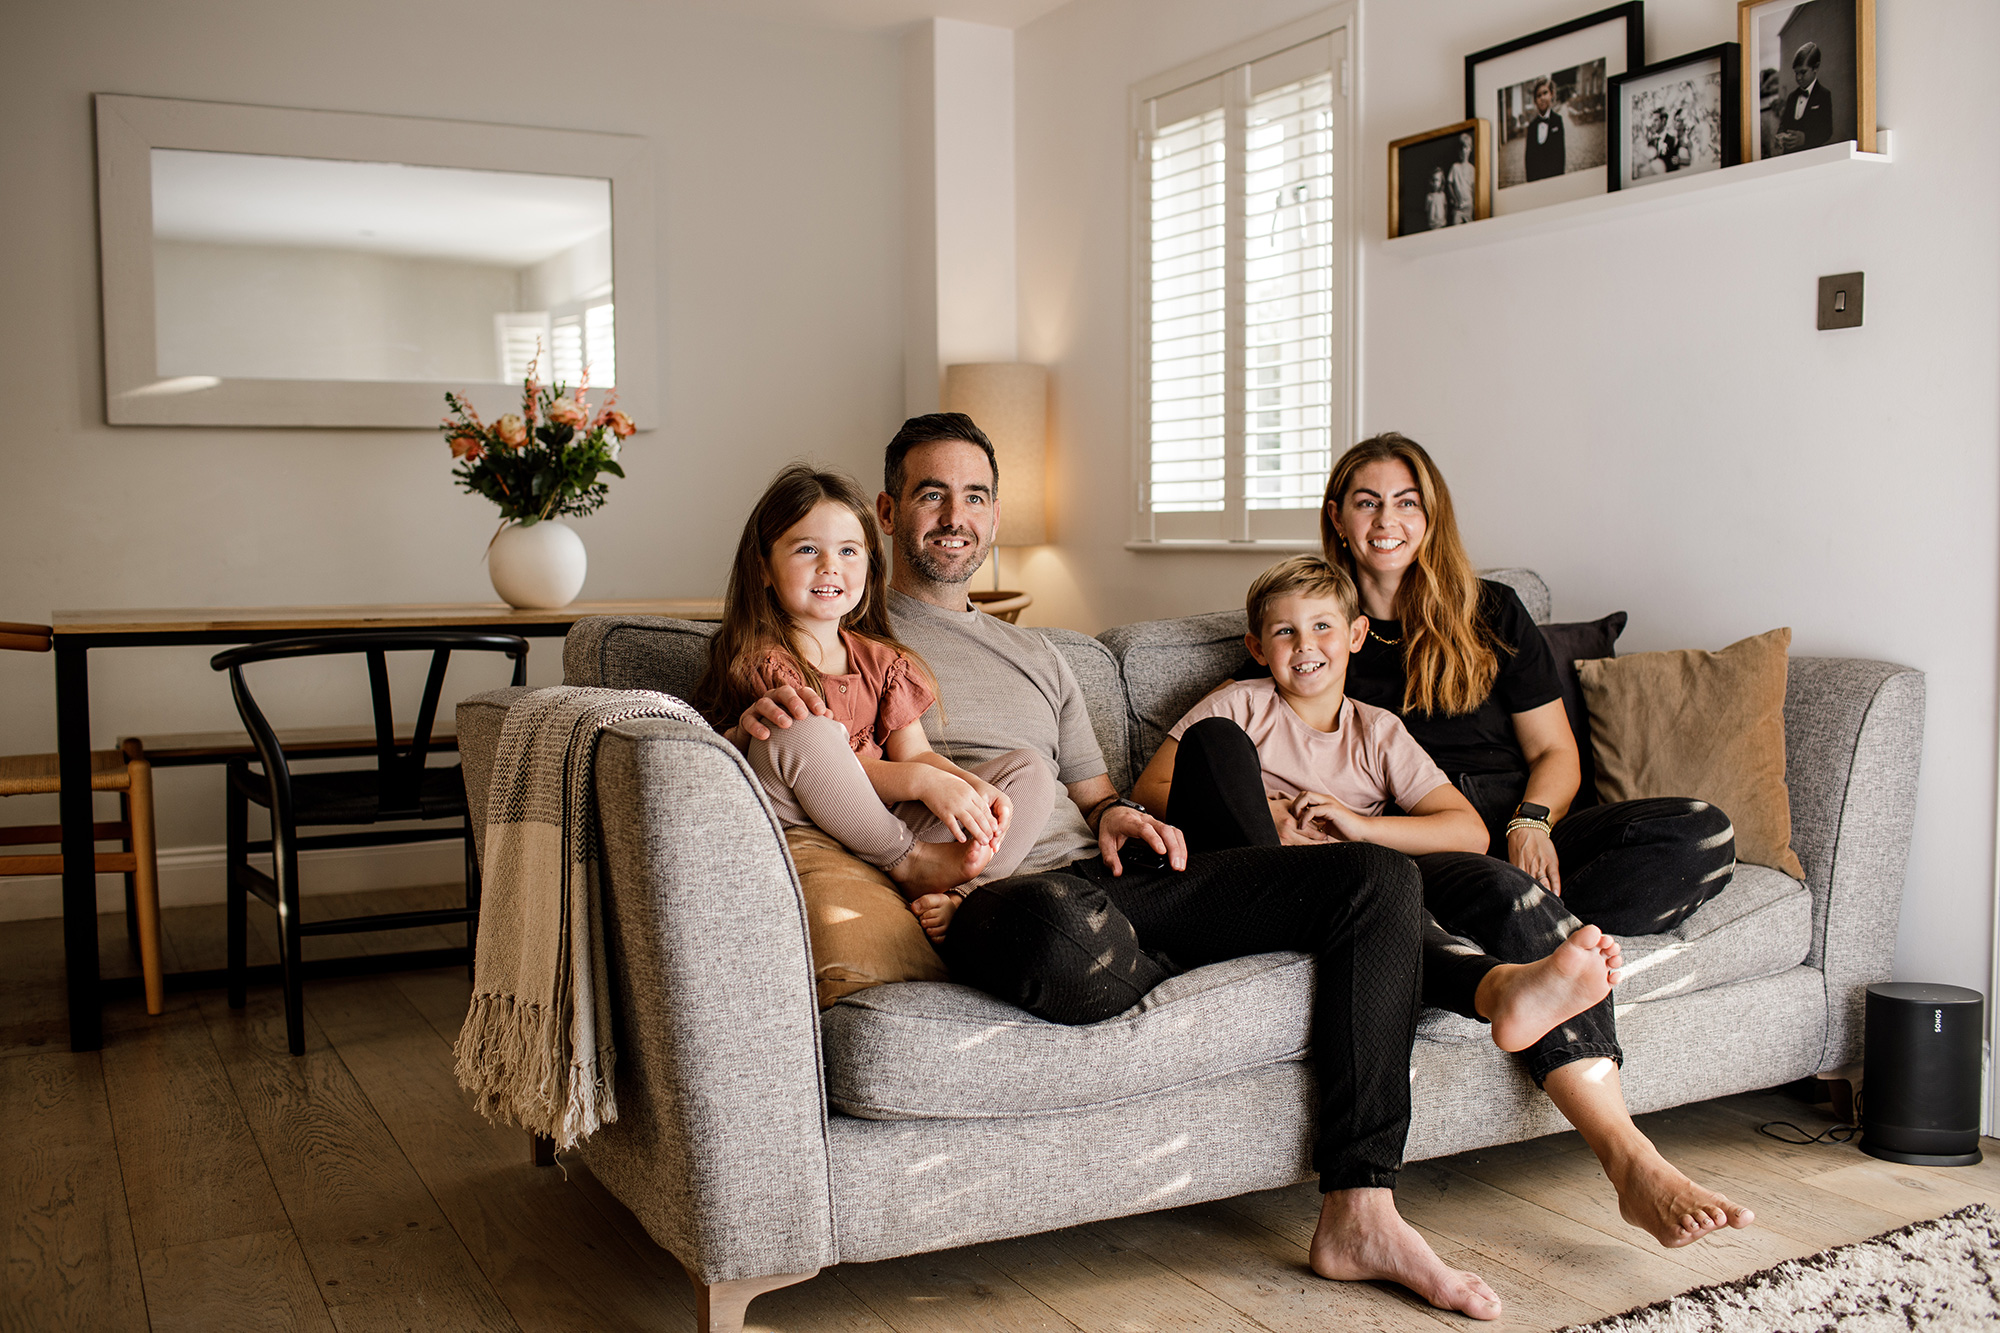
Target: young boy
1291,759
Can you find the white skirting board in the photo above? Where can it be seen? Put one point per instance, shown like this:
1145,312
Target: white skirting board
192,876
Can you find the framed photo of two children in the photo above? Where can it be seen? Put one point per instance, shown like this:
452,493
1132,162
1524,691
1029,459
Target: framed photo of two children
1808,75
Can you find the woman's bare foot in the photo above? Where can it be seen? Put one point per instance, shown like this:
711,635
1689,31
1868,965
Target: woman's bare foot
934,912
933,867
1523,1001
1361,1238
1656,1197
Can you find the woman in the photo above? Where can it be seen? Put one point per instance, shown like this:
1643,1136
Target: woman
1463,664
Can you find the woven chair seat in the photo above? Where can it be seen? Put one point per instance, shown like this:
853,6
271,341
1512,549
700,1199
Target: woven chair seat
37,774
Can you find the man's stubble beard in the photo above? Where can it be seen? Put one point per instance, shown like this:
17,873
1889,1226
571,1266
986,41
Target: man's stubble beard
930,568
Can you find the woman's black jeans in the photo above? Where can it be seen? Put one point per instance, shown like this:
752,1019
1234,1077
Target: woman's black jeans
1218,795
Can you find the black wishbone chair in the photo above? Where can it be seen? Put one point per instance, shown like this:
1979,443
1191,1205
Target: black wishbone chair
400,787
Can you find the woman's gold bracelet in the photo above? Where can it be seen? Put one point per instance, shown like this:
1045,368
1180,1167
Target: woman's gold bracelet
1541,824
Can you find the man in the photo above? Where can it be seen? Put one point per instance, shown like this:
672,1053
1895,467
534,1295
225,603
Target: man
1460,183
1807,120
1545,134
1110,902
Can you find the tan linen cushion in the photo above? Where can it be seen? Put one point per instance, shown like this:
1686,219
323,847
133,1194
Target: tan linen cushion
863,933
1705,725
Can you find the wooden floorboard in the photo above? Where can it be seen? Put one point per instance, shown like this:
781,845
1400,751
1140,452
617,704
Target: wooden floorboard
70,1260
194,1175
380,1248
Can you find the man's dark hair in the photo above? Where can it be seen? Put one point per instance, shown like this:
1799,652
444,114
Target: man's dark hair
929,429
1808,56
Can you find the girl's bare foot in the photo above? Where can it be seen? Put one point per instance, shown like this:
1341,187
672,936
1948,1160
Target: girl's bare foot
1655,1197
1361,1238
1523,1001
933,867
934,911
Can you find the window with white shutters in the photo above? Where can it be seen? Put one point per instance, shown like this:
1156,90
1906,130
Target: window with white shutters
1245,293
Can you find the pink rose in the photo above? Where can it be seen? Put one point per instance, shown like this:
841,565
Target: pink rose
468,447
513,432
621,425
566,411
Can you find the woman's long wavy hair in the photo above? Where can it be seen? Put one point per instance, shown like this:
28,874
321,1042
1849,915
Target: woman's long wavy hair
752,621
1450,655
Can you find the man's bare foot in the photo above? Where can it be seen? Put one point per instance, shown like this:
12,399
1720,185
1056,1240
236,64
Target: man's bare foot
1361,1238
1655,1197
934,912
1524,1000
933,867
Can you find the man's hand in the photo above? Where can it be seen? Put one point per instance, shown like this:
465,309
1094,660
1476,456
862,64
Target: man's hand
778,708
1531,850
1122,821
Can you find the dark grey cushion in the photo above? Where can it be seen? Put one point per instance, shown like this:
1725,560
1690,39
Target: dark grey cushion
1583,641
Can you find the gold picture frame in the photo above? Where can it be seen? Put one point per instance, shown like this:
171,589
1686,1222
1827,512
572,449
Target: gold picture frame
1439,151
1781,37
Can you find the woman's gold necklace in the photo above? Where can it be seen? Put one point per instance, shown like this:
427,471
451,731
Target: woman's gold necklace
1387,643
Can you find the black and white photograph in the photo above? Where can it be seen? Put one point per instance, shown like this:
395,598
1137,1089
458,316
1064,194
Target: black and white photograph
1814,75
1439,178
1673,119
1547,94
1551,124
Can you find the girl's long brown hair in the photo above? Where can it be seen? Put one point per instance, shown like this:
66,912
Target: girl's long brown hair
1449,654
753,623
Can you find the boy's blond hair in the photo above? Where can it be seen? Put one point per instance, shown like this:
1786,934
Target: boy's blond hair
1301,575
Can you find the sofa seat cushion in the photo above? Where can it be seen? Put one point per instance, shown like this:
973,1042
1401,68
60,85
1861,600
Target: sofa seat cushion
933,1050
1759,926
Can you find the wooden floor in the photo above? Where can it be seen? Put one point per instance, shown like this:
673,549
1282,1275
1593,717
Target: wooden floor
192,1175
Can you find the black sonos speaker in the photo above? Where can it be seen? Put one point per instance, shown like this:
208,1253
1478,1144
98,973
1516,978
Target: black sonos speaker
1921,1071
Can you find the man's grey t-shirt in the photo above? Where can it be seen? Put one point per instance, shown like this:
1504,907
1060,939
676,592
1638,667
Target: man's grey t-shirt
1005,688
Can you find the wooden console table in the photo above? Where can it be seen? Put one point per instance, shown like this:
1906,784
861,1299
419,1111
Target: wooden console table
78,632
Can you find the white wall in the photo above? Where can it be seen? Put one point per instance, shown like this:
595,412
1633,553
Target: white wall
778,180
1641,409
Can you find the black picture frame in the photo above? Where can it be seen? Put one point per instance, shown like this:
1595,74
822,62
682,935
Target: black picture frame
1729,149
1632,11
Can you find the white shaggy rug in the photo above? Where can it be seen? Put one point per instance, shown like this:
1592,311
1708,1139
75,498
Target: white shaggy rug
1937,1275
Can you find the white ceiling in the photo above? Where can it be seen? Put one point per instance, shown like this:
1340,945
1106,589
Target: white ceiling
480,217
870,14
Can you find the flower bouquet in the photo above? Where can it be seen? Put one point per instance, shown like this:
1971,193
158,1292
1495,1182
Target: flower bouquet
538,465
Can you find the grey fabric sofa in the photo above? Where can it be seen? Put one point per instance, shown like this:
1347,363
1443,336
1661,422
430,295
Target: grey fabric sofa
760,1140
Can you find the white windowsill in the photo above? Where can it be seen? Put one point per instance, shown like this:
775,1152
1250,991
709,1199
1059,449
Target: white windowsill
1581,212
1278,545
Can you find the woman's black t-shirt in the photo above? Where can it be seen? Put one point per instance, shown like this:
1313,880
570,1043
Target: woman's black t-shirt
1483,740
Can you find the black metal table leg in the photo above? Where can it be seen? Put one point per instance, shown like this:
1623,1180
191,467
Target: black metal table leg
79,880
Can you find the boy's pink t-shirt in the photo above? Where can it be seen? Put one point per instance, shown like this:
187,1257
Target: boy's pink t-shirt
1366,761
880,693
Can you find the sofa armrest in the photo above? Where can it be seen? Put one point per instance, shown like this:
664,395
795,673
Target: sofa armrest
720,1143
1854,735
720,1146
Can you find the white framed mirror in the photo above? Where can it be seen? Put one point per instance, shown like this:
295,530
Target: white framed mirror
264,266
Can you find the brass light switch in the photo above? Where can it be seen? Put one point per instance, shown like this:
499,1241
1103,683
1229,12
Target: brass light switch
1840,301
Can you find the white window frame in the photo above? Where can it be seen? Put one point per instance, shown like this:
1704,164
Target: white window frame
1339,26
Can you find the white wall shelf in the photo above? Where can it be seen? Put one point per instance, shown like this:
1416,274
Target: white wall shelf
1835,157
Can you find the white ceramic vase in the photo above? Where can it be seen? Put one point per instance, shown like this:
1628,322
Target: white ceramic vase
537,566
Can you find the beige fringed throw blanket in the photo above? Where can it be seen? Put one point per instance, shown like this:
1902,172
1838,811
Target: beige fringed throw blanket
536,1046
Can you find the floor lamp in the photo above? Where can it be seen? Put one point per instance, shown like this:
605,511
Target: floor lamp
1010,402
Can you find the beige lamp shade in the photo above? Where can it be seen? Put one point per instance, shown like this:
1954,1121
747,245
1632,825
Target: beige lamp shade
1010,402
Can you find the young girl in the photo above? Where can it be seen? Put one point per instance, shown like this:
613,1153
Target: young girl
807,607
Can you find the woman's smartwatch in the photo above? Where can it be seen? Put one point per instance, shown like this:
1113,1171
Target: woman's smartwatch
1529,815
